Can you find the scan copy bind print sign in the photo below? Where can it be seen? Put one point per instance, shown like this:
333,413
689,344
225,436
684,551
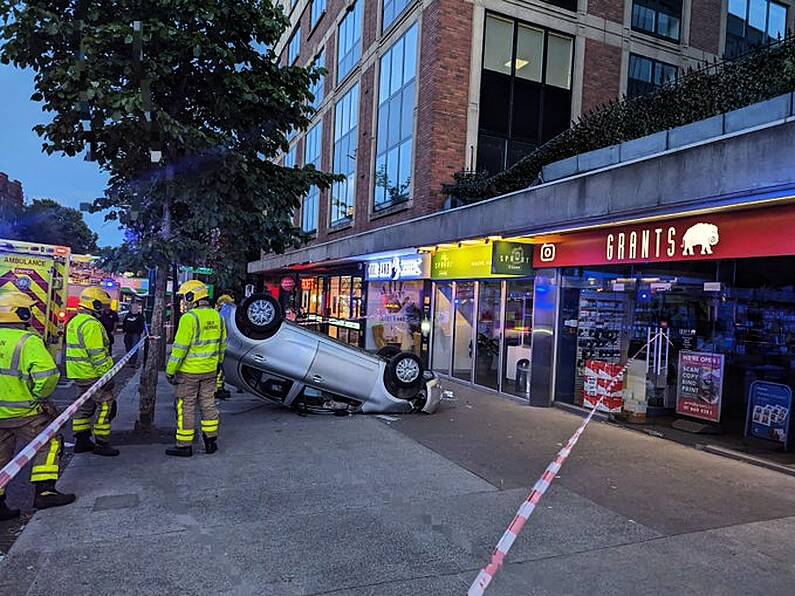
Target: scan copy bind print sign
761,232
699,386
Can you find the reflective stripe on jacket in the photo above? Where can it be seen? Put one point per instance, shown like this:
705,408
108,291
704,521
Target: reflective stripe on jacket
200,342
27,373
87,348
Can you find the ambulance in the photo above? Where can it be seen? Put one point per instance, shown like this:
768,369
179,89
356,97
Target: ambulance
40,271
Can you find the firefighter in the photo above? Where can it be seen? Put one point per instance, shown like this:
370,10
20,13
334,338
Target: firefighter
221,392
28,376
196,356
87,359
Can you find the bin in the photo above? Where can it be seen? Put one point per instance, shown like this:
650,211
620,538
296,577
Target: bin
523,377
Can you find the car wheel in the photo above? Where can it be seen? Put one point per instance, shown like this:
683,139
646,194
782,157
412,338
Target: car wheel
259,316
404,374
388,352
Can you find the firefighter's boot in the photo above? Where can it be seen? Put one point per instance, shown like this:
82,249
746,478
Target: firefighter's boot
105,450
180,451
83,442
6,513
47,496
210,444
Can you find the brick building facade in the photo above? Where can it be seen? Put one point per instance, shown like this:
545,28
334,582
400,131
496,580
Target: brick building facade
11,195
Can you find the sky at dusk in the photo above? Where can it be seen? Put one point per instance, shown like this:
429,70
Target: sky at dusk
68,180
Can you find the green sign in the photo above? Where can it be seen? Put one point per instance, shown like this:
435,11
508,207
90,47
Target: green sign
196,270
480,261
511,258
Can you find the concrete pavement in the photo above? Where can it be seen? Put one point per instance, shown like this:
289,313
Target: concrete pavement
358,505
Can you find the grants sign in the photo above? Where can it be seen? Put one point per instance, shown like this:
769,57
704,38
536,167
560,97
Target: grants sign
737,234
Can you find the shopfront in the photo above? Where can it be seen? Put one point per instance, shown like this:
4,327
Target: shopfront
330,300
398,302
701,308
483,296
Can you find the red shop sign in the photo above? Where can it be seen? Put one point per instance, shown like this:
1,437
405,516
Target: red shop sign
762,232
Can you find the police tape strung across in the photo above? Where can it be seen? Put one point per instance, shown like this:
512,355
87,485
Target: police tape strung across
487,574
26,454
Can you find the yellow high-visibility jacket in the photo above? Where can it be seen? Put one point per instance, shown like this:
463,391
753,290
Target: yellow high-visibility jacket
28,374
87,348
200,343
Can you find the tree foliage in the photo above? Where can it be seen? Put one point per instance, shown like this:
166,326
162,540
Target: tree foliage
207,92
49,222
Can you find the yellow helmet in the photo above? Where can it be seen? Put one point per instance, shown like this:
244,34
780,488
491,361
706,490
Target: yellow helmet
15,307
94,299
224,299
193,291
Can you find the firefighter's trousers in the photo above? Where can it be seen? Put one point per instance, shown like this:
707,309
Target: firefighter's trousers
25,429
189,390
97,413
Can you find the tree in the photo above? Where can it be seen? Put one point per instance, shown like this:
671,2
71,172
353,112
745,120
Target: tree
184,104
50,222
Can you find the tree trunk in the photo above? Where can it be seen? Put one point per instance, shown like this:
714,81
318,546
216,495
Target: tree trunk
154,360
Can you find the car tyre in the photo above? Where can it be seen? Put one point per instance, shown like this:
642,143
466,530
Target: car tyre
404,375
259,316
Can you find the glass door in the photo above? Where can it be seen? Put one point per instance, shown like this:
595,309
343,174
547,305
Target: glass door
487,355
442,327
518,335
463,345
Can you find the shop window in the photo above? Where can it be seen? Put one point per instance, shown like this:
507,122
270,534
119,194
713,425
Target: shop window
349,41
525,95
392,10
312,154
489,330
463,336
647,75
752,23
657,17
394,313
395,133
346,116
318,8
517,338
442,327
317,87
294,47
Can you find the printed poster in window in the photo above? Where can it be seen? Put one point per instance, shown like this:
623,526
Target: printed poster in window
699,386
598,381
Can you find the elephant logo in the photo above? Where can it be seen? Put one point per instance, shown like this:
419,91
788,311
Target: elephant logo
704,235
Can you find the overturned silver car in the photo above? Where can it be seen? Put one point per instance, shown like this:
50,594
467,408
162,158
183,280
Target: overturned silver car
284,363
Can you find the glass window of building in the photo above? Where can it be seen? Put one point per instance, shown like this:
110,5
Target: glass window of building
751,23
442,327
647,75
657,17
294,47
290,158
463,330
349,41
394,315
525,93
392,10
312,153
517,338
318,8
488,334
346,117
318,86
396,92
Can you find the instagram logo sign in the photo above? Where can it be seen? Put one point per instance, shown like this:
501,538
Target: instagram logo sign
547,252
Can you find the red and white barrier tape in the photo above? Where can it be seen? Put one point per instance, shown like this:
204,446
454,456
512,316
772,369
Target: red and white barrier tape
13,467
487,574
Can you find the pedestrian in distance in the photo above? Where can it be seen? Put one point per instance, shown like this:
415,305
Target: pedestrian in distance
133,328
87,359
196,356
109,319
28,377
